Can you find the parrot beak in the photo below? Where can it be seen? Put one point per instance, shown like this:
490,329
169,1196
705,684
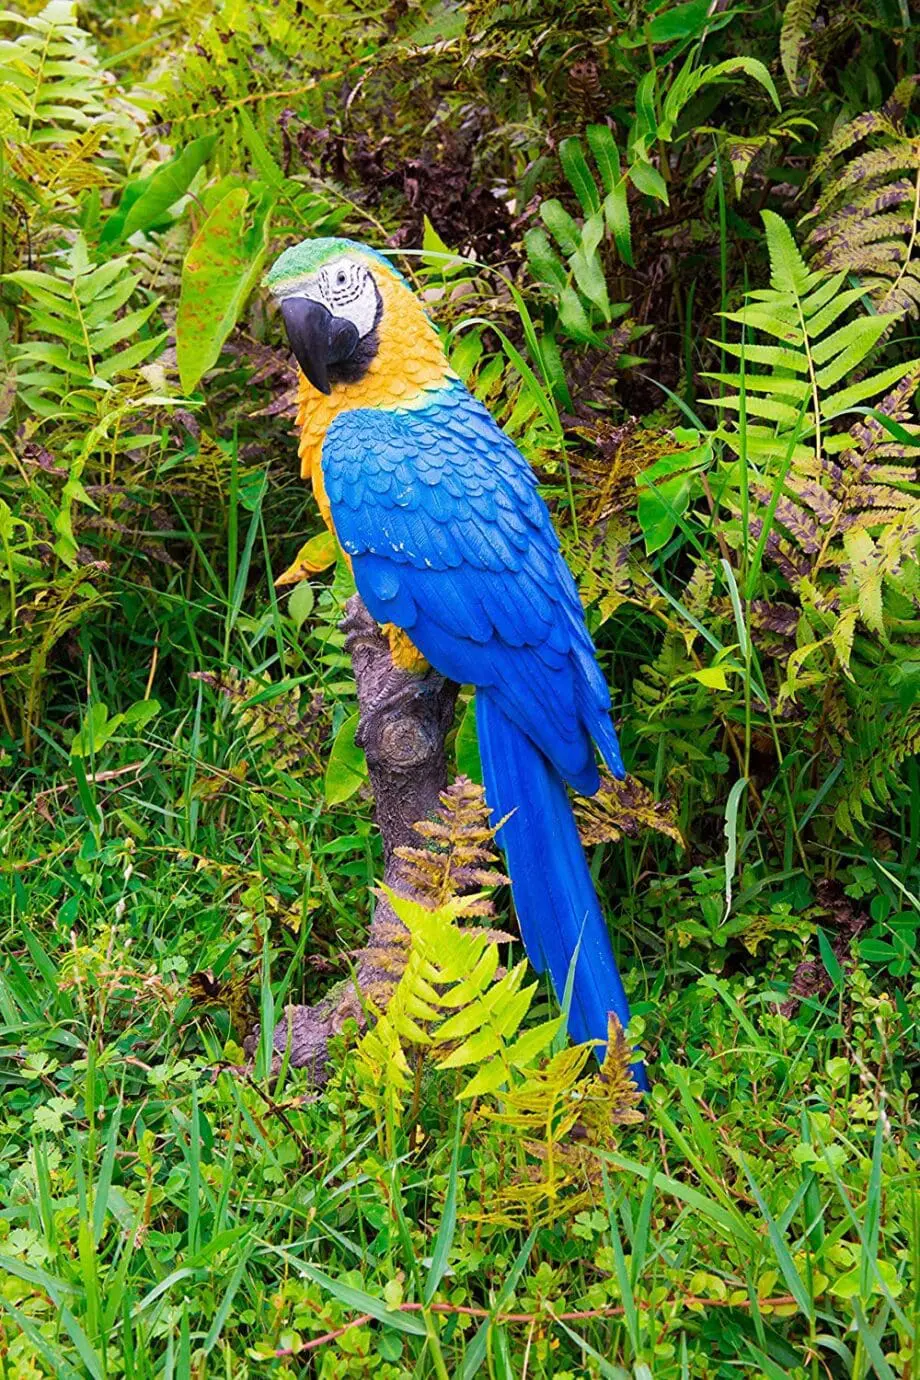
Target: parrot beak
317,338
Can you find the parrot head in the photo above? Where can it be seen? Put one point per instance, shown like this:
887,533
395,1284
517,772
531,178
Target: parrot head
329,291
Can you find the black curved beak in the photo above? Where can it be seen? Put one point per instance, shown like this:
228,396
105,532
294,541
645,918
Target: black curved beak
317,338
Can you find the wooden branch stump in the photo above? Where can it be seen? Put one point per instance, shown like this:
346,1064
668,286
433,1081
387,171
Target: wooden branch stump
405,718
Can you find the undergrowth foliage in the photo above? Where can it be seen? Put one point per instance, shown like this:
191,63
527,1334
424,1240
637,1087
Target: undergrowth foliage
455,1008
686,284
867,215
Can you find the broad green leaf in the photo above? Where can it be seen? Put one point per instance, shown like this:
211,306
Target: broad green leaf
562,226
616,214
645,126
544,261
589,275
647,179
95,731
346,769
683,21
553,368
139,714
466,746
575,166
660,508
317,554
300,604
713,677
573,317
606,154
165,187
222,266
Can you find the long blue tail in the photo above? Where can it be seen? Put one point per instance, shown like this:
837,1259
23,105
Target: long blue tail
554,896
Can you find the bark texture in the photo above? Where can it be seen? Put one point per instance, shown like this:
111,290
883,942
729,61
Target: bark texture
405,718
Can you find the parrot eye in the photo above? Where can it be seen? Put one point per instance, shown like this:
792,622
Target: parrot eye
341,277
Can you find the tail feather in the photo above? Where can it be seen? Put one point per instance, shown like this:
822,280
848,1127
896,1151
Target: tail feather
554,895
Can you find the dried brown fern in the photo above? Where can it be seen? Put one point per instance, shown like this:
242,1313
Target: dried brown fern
276,725
866,487
624,808
460,856
867,216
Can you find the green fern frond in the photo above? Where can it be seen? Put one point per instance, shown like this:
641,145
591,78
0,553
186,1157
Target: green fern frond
450,1001
76,337
873,767
792,384
826,502
50,78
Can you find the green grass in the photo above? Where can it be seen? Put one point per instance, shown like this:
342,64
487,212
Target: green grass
160,1220
186,842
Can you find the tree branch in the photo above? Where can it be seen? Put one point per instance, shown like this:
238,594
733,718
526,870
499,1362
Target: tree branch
405,718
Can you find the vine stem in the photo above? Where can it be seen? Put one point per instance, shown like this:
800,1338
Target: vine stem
579,1315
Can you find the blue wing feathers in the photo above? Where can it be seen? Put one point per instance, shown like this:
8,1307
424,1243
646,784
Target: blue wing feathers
450,540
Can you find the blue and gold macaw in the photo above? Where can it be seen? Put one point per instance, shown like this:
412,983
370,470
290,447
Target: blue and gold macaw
453,550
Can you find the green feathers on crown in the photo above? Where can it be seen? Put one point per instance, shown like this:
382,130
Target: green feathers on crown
306,258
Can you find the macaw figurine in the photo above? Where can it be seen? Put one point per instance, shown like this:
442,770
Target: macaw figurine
454,552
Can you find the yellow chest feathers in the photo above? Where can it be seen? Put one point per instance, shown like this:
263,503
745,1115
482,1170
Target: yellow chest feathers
409,362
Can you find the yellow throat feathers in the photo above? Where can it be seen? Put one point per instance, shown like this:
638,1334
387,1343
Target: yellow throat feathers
409,362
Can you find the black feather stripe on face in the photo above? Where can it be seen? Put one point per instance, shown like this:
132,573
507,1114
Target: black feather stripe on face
353,369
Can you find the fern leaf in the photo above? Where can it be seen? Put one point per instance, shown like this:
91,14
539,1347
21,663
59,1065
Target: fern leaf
460,856
624,808
798,20
774,356
866,171
788,270
846,137
867,388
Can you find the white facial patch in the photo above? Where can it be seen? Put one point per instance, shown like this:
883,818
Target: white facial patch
347,290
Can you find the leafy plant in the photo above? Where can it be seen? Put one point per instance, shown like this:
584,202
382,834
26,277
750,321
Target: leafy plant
867,216
60,137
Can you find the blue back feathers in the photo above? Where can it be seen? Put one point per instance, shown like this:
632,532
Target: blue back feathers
450,540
